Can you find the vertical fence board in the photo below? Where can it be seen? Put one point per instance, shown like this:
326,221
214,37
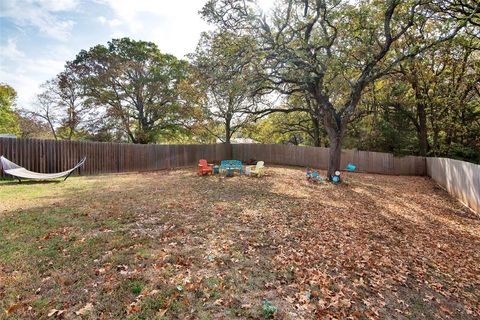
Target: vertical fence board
461,179
48,156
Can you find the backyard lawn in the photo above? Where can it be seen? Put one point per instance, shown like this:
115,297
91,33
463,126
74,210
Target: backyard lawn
173,245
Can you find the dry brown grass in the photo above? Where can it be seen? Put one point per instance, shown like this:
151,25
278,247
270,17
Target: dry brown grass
173,245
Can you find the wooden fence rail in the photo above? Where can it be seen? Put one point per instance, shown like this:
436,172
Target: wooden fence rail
48,156
317,157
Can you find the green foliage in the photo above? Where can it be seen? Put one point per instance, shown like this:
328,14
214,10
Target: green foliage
135,83
292,128
268,309
8,118
329,52
440,86
222,63
134,286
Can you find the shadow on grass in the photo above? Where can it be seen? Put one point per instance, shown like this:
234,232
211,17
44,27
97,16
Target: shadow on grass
90,237
174,230
28,182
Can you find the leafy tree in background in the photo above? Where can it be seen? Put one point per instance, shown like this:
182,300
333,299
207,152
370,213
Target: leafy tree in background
332,50
8,118
224,63
427,106
443,91
192,116
134,83
75,111
62,106
463,10
31,127
292,127
382,126
47,107
297,120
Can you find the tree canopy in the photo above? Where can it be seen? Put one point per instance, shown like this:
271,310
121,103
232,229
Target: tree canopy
135,84
381,75
332,50
8,118
223,62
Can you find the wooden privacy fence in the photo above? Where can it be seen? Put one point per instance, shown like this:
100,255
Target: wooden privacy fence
48,156
317,157
460,178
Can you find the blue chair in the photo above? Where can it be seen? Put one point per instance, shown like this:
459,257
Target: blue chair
351,167
228,166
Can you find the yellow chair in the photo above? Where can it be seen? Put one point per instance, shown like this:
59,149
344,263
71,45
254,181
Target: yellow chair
257,170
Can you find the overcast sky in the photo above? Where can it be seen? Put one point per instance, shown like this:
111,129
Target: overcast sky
38,36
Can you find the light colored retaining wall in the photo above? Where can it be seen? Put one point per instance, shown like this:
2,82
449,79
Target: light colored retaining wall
460,178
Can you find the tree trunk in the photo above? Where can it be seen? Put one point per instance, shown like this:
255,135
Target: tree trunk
422,132
52,129
228,131
336,128
317,142
436,132
422,119
335,154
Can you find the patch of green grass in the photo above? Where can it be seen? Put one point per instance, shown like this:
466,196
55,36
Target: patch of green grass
133,286
144,253
215,294
211,282
268,309
32,233
36,189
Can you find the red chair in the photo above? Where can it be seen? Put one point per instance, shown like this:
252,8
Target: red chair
204,167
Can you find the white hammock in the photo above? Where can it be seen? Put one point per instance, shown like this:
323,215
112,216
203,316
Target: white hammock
20,172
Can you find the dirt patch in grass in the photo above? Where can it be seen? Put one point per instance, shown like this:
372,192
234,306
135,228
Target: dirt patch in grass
173,245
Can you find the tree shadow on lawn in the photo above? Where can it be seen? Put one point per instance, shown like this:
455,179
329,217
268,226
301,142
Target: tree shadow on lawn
178,242
426,259
161,236
9,183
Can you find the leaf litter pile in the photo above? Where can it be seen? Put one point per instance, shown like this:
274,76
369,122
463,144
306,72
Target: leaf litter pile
171,245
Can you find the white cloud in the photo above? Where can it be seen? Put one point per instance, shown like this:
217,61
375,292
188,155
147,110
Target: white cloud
174,26
25,74
41,15
59,5
10,51
27,85
112,23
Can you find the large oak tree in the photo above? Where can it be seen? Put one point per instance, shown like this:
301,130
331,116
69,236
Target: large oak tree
331,49
134,83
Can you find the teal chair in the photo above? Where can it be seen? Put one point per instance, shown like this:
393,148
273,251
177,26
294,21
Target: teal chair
230,165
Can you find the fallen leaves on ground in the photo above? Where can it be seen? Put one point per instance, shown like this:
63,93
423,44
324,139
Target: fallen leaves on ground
179,246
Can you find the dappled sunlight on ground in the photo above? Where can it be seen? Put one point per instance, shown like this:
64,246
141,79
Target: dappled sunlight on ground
172,244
